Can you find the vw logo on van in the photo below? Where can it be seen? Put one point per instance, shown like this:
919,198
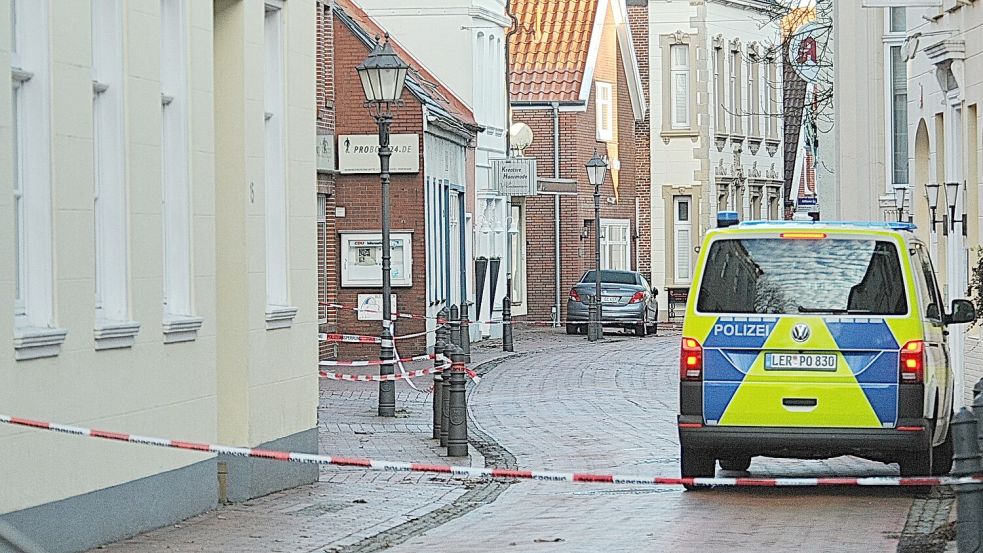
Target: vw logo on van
801,332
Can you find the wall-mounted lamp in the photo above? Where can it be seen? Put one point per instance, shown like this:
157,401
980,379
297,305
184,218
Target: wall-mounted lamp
900,193
932,196
585,231
951,198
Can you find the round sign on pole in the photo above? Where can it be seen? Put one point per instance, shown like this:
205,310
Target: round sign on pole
805,49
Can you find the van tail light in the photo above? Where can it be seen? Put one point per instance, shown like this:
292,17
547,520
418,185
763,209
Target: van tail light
637,297
574,295
691,360
912,362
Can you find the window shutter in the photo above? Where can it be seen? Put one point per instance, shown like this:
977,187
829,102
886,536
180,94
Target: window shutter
682,254
680,99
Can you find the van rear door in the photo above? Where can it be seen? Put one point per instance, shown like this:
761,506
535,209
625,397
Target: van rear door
806,330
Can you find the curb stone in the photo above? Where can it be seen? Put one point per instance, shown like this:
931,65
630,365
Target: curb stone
927,528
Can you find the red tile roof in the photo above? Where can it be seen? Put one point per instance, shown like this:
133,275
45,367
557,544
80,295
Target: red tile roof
419,72
549,51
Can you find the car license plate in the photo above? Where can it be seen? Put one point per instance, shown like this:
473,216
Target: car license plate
800,361
610,299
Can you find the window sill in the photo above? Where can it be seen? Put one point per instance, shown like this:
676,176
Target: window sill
36,343
669,134
178,328
279,316
116,334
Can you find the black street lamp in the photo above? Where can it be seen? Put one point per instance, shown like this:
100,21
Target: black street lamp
383,75
900,193
952,199
596,168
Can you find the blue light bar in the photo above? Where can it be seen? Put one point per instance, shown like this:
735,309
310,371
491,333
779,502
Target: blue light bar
727,219
890,225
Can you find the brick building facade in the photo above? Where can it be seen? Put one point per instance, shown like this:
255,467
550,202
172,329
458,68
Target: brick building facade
577,78
442,125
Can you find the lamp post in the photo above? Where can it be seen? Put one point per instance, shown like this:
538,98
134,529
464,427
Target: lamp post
932,195
596,168
383,75
952,199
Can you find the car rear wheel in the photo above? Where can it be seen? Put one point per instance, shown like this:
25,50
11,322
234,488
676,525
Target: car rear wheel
571,329
696,463
942,455
739,463
641,328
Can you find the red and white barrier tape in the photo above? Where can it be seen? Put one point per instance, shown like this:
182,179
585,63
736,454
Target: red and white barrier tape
397,315
335,337
375,362
476,472
394,377
382,377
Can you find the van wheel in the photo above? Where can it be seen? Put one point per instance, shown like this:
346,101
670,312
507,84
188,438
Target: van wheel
739,463
696,463
942,455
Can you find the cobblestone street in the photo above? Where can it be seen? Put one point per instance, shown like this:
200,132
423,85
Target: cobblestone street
560,404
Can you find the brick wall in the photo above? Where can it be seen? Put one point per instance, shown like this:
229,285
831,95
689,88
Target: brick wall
578,140
327,243
360,196
638,21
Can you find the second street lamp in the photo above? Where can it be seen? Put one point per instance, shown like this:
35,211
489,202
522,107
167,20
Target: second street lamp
596,168
383,75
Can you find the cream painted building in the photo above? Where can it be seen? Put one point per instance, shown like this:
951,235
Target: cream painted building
159,190
945,114
716,130
870,131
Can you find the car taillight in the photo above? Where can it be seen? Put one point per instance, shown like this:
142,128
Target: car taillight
691,360
637,297
574,295
912,362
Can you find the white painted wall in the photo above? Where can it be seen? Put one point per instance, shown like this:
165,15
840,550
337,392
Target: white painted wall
150,388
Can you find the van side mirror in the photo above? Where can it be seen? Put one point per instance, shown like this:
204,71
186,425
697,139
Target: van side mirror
963,311
655,291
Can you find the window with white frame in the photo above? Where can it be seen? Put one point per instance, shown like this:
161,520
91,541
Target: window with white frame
277,290
481,77
754,101
113,328
605,111
736,97
616,244
682,237
679,83
773,113
720,90
517,230
175,172
493,80
35,335
897,82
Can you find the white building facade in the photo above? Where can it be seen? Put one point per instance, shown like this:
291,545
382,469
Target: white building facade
870,132
716,128
462,42
945,114
160,227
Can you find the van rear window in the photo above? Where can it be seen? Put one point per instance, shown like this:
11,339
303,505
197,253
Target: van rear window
772,276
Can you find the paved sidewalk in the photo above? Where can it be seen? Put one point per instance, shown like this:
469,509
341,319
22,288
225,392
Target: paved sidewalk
347,507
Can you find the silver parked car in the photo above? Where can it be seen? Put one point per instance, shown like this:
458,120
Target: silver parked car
627,301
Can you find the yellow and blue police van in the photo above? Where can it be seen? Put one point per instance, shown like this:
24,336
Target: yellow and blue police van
813,340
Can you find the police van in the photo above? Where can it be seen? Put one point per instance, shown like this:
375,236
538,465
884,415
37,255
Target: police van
814,340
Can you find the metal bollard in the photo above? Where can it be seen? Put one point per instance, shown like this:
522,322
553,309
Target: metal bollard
387,389
465,336
454,322
457,431
445,388
977,408
967,462
438,378
507,325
